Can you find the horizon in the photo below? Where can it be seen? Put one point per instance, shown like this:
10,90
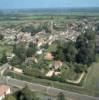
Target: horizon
68,8
48,4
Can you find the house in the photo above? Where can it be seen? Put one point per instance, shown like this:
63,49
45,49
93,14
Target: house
30,60
50,73
48,56
39,52
40,42
4,90
34,59
56,65
17,70
50,42
27,36
24,36
57,73
51,37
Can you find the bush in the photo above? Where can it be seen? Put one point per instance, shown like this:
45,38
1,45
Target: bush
79,68
33,72
1,36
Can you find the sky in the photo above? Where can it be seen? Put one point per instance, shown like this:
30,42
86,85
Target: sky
20,4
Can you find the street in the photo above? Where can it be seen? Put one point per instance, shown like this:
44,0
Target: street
46,89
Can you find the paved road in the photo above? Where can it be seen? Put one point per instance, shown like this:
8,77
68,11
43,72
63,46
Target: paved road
3,68
46,89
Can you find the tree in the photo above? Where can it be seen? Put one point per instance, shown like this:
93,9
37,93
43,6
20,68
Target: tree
1,36
26,94
46,27
31,50
79,68
85,56
33,72
63,75
32,29
70,52
60,96
81,41
85,44
59,53
9,97
4,58
20,51
15,61
65,52
89,34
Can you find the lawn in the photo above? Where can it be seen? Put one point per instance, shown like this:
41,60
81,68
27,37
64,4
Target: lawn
69,73
72,75
92,79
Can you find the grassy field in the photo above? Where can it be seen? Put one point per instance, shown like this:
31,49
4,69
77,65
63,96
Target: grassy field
92,79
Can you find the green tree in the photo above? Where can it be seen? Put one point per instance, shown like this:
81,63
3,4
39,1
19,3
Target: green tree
85,44
63,75
85,56
81,41
33,72
31,50
15,61
89,34
59,53
9,97
60,96
1,36
26,94
20,51
70,52
46,27
4,58
79,68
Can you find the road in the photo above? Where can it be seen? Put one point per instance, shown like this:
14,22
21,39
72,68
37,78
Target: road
45,89
41,88
3,68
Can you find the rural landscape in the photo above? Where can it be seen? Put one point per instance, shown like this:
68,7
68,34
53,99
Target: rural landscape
49,54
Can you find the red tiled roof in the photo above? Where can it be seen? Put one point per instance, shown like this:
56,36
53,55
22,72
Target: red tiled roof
3,89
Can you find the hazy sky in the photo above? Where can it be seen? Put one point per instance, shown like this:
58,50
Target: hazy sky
12,4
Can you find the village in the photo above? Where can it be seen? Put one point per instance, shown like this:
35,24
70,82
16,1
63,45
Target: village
47,50
45,42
